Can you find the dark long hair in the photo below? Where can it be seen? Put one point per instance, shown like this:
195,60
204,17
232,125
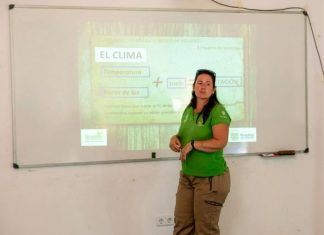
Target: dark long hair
213,100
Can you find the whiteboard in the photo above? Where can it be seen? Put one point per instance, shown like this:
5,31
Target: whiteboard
108,85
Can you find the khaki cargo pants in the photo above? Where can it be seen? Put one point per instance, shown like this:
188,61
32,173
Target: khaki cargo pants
199,201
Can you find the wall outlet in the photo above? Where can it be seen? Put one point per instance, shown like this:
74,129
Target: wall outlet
169,220
164,220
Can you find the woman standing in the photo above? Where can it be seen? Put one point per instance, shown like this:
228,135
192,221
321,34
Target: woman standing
204,179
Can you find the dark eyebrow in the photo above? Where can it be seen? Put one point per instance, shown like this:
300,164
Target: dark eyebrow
208,82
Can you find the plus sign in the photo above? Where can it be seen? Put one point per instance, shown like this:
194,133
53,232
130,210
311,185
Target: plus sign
157,82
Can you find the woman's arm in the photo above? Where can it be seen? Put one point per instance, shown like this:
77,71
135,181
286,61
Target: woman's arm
217,142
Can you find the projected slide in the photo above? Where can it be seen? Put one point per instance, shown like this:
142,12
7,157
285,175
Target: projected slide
133,89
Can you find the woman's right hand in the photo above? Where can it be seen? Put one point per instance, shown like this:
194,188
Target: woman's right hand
175,144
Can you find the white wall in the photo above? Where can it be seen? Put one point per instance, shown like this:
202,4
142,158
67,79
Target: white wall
269,196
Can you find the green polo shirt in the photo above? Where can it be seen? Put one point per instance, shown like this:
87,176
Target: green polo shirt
199,163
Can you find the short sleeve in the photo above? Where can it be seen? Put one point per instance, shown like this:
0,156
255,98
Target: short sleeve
220,115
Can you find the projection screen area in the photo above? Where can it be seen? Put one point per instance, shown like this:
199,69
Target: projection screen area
97,85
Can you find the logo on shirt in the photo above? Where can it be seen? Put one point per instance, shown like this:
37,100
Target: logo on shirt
223,115
200,123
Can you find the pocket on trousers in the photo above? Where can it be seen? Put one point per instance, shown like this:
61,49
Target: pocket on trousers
221,185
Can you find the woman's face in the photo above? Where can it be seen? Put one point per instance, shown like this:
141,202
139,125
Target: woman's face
203,87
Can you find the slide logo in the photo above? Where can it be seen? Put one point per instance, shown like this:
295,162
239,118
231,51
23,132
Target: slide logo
243,134
93,137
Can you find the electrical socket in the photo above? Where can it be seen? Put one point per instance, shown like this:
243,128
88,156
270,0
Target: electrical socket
164,220
169,220
160,221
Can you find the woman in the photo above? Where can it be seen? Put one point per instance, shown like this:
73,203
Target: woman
204,179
